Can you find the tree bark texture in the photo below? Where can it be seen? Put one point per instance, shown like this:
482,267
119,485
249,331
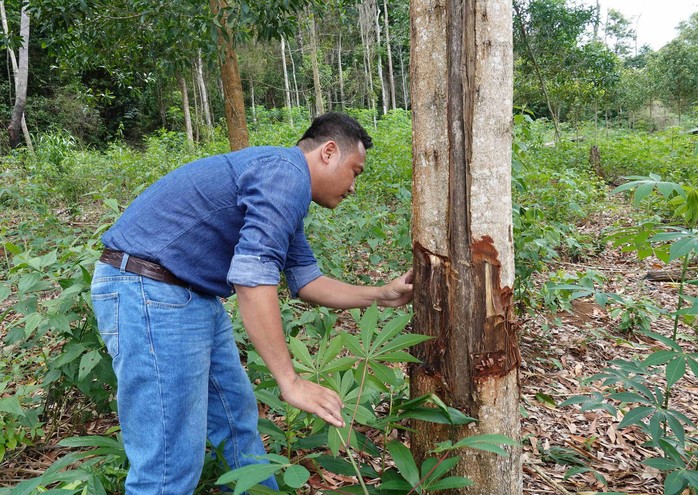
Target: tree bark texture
462,92
391,72
287,85
18,126
238,136
319,102
203,90
185,107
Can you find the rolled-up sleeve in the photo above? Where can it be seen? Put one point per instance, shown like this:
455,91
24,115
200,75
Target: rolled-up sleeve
274,198
301,266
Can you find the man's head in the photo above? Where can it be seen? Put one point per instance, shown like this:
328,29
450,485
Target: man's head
335,148
337,127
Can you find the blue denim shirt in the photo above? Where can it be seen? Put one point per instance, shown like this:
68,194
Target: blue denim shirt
228,219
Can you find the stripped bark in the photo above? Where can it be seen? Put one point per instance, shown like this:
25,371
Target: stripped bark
462,93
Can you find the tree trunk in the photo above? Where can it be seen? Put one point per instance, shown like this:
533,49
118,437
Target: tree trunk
405,92
293,73
384,96
185,107
287,86
341,72
366,28
233,96
391,72
319,103
462,93
205,106
252,100
21,78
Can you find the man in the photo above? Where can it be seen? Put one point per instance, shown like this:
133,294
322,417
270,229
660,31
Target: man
223,224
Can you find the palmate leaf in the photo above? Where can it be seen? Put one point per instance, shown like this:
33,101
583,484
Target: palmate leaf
391,329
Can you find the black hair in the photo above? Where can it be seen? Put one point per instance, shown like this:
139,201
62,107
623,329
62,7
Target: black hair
335,126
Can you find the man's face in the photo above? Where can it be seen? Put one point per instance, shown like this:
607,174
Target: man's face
339,174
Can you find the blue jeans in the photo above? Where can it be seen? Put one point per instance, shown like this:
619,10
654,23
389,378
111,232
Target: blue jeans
180,380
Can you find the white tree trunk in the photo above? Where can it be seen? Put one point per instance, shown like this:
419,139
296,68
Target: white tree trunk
185,107
341,72
254,103
462,93
293,73
319,103
384,96
21,78
203,91
391,73
287,86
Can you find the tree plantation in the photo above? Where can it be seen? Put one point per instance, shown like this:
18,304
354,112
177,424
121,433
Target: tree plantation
533,165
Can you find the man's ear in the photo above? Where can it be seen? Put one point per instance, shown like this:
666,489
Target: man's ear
328,149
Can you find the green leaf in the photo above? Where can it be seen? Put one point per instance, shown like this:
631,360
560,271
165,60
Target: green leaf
368,325
452,482
353,344
675,370
296,475
334,442
635,416
674,483
682,247
391,329
661,463
642,191
88,363
659,358
91,441
404,462
300,352
11,405
248,476
488,443
402,342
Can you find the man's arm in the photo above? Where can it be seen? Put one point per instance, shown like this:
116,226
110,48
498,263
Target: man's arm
259,308
331,293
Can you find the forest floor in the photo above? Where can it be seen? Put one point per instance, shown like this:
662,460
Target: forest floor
560,350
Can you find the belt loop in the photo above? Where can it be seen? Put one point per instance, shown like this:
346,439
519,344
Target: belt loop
124,261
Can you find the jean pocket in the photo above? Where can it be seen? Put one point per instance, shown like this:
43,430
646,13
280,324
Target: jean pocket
163,295
106,307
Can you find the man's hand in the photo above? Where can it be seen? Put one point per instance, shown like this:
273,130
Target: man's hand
398,292
313,398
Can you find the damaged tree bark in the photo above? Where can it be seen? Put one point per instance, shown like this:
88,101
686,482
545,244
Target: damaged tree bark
462,93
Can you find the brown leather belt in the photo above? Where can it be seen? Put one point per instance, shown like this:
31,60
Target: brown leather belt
141,267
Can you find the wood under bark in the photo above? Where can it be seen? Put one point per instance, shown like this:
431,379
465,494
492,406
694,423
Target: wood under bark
461,77
238,136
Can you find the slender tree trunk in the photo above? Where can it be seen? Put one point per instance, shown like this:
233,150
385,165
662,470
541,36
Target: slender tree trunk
196,121
462,93
391,72
405,92
287,86
341,72
384,96
366,28
319,103
185,107
293,73
536,67
252,99
233,96
21,78
203,91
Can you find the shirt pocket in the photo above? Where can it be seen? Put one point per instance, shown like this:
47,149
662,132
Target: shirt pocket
106,308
